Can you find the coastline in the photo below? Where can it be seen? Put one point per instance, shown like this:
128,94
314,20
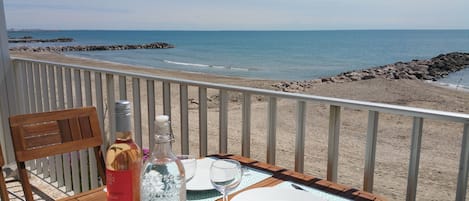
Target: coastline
439,159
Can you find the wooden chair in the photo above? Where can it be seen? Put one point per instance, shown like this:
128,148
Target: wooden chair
3,186
45,134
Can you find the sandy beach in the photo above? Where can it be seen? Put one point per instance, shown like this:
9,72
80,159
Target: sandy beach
440,146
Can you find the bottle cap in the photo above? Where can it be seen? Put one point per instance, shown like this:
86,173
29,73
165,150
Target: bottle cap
163,129
122,115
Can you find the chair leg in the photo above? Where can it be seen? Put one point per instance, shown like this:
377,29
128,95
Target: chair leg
3,187
23,173
101,164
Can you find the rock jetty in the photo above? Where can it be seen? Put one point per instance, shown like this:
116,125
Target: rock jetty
431,69
29,39
156,45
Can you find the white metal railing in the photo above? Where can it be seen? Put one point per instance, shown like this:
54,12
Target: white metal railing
44,85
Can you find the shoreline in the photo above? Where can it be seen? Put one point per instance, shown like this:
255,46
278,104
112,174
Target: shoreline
462,88
440,146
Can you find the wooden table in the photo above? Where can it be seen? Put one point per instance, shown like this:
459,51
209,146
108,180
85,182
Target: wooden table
278,176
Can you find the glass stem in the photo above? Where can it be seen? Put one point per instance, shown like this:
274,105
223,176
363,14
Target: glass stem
225,196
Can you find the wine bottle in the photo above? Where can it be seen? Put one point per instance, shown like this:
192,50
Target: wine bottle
123,159
163,175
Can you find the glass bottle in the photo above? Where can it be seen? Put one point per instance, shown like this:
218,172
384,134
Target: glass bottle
123,159
163,176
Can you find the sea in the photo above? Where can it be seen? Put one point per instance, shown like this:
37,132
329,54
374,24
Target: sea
274,55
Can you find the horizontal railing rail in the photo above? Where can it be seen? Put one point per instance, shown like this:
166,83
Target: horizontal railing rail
45,85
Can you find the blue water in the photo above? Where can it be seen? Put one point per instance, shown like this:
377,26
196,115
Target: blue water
282,55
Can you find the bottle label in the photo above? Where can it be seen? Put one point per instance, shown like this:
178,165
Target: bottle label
119,185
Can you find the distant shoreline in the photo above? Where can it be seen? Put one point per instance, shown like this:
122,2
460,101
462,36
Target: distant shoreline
155,45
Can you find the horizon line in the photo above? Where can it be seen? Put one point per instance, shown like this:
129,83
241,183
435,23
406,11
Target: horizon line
221,30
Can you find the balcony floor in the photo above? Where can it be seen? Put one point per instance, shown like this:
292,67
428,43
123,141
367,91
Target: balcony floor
47,191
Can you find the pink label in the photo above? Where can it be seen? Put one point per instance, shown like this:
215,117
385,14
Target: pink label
119,185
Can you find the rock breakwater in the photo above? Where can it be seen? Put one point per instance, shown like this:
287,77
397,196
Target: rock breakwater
430,69
156,45
29,39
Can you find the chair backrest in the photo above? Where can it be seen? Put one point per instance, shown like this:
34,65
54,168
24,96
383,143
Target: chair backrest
45,134
3,187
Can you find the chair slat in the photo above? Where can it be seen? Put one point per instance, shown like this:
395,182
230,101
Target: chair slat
43,140
75,128
40,129
85,127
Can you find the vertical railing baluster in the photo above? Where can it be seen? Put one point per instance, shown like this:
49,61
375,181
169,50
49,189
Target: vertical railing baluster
39,106
151,112
37,88
78,101
333,143
271,130
20,70
202,121
31,100
68,157
75,172
60,88
98,81
300,137
21,83
223,122
370,151
52,87
68,88
184,118
31,92
167,99
137,111
93,167
51,103
45,104
246,126
45,88
87,88
414,159
461,188
31,107
60,105
111,99
122,88
100,103
80,177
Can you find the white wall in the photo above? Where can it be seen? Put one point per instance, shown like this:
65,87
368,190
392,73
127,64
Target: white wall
7,89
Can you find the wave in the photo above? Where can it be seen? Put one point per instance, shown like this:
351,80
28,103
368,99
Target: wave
206,65
451,85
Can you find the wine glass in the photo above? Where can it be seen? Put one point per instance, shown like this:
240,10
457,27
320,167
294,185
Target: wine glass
225,175
190,165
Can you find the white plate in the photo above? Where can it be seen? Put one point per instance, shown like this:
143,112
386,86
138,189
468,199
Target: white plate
201,179
276,194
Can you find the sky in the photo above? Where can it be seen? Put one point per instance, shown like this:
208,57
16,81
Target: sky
237,14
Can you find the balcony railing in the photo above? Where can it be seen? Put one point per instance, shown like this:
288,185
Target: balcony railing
44,86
